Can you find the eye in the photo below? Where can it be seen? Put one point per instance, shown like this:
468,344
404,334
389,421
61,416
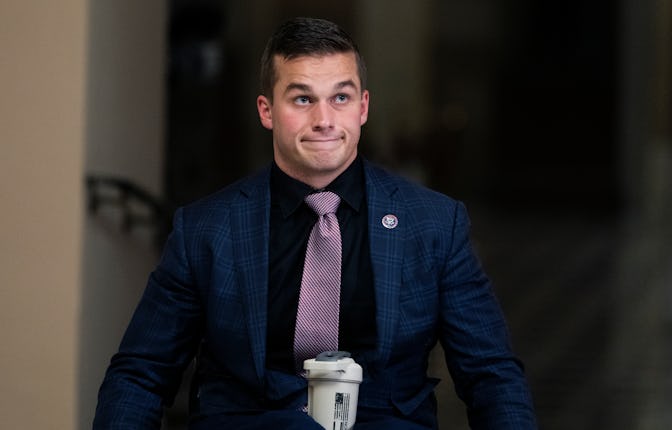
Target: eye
302,100
341,98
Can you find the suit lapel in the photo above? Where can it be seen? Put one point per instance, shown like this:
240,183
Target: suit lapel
250,232
386,254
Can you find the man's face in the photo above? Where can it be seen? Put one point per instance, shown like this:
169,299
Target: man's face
316,116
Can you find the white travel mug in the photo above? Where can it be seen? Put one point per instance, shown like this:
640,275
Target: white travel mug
333,389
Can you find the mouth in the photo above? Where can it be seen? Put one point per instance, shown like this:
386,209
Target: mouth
322,139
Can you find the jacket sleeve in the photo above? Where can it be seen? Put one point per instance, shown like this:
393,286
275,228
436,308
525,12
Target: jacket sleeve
161,339
487,375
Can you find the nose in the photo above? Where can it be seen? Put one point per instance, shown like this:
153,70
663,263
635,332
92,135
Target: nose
322,116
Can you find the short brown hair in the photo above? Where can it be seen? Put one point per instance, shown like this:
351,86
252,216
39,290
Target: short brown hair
306,37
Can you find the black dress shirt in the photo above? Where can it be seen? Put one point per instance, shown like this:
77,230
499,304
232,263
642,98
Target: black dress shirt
290,225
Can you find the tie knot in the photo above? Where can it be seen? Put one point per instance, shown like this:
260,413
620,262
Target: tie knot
324,202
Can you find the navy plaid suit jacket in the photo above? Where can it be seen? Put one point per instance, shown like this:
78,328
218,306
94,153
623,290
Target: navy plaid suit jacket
208,297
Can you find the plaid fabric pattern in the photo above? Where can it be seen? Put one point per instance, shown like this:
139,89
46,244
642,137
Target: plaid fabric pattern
209,294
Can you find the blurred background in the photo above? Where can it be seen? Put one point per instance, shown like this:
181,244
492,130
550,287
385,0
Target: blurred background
550,120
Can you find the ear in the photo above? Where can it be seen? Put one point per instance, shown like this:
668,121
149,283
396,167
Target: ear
364,108
265,114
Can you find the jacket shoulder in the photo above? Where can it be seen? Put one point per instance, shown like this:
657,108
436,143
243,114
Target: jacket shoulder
406,189
254,185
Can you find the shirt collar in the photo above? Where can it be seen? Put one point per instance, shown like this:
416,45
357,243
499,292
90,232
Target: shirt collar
289,193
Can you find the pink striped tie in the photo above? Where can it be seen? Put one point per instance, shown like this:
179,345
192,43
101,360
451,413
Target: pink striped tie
320,297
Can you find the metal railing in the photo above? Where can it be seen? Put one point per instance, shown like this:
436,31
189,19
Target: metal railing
137,207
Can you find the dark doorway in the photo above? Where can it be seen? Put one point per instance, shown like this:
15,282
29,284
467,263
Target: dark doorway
557,107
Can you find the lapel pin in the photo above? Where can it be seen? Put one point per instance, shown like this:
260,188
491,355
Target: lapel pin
390,221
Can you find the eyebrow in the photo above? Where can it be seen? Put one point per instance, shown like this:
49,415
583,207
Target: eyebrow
307,89
299,87
348,83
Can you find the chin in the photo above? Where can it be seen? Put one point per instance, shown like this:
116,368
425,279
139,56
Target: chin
330,161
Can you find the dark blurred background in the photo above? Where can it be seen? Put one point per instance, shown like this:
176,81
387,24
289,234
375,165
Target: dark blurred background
550,120
513,104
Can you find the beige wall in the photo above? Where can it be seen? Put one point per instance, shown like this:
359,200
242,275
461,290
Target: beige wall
42,68
82,92
124,138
